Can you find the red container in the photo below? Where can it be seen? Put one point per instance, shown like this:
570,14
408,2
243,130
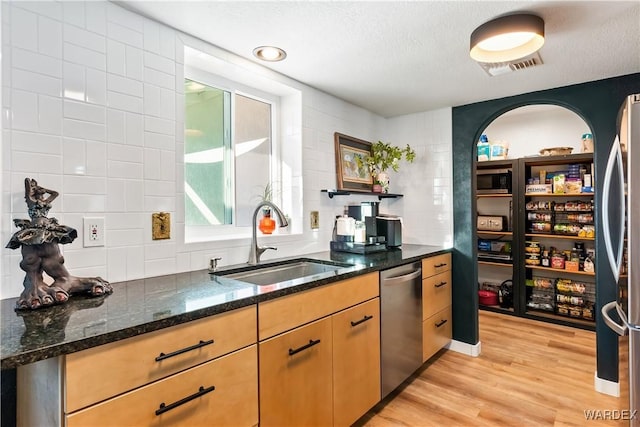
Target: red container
488,297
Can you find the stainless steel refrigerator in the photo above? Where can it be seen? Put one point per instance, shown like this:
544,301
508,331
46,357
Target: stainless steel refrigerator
621,226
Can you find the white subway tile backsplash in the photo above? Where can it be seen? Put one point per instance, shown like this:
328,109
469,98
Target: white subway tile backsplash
116,265
120,169
158,140
168,166
84,38
24,110
125,237
115,126
82,129
124,221
84,202
158,78
168,43
134,195
159,204
125,35
134,63
73,82
96,89
50,114
36,142
135,262
134,129
36,62
74,156
84,111
152,158
96,158
151,30
159,267
24,29
124,85
116,57
86,257
96,17
84,56
115,195
73,13
45,8
125,153
38,83
167,104
74,184
43,163
49,37
125,18
157,125
159,250
152,100
159,188
124,102
159,63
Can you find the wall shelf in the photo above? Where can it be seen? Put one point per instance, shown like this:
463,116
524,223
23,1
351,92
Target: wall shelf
381,196
536,267
558,236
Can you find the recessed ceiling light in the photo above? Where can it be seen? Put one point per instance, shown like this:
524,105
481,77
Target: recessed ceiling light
269,53
507,38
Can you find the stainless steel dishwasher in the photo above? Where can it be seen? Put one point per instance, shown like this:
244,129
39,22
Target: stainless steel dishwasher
401,324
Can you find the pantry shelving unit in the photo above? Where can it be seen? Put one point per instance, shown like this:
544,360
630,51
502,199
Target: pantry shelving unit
496,266
549,294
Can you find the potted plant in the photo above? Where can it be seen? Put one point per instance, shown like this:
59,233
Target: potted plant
266,224
384,156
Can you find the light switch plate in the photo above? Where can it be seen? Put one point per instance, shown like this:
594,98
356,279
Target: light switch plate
93,232
315,220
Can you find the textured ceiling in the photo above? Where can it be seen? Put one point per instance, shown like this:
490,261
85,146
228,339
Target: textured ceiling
396,58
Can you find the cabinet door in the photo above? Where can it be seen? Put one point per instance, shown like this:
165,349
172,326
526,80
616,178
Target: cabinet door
436,333
356,361
223,392
295,377
436,294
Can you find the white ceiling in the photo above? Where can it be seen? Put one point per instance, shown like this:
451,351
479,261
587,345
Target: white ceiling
398,57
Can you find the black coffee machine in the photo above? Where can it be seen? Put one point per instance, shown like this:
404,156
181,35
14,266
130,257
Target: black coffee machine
367,213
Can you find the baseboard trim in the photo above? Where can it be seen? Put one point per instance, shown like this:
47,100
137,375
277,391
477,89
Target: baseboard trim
606,387
472,350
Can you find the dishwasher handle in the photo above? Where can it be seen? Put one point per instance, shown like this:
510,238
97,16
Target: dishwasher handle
394,280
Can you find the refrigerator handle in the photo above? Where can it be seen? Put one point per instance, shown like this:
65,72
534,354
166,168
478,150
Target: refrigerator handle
615,258
619,329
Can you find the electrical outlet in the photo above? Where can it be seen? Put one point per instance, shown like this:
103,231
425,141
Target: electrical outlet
93,231
315,220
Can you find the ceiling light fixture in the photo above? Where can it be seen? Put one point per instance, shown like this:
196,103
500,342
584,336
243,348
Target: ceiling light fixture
269,53
507,38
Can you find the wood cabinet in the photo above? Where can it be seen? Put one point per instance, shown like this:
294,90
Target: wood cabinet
124,382
320,359
356,361
436,304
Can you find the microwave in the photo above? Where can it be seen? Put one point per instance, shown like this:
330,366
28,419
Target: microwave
493,181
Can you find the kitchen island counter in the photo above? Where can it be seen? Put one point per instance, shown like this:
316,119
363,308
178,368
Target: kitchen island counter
145,305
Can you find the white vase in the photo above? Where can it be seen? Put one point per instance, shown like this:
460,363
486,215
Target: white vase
383,179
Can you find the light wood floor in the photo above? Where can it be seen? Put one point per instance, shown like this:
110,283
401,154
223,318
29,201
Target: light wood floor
530,373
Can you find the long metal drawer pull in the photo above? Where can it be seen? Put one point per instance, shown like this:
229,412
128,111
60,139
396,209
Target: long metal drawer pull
304,347
163,356
441,284
201,391
440,265
364,319
442,322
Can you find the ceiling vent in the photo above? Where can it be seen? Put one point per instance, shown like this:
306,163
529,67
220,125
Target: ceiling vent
496,68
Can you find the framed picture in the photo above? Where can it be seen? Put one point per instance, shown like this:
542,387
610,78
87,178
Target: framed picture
352,173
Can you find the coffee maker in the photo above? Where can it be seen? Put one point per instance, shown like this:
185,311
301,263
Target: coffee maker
367,213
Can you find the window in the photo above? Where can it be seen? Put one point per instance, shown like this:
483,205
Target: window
233,148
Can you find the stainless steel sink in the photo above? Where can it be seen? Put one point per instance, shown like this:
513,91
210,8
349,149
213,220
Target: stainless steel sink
270,274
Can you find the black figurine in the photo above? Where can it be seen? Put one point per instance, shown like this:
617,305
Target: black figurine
39,238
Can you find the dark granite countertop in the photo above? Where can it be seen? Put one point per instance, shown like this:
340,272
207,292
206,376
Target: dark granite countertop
145,305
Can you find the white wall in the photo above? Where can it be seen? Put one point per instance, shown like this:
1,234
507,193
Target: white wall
91,96
531,128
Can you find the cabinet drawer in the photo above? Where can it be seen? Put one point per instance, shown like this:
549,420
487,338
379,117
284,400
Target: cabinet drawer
102,372
356,361
295,377
436,264
285,313
436,294
436,333
233,401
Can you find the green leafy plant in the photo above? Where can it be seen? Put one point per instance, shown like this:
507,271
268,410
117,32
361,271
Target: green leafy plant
384,156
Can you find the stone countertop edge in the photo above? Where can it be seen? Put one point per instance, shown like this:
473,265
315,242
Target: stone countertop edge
146,305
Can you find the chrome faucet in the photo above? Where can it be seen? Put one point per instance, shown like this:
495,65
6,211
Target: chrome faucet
256,251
